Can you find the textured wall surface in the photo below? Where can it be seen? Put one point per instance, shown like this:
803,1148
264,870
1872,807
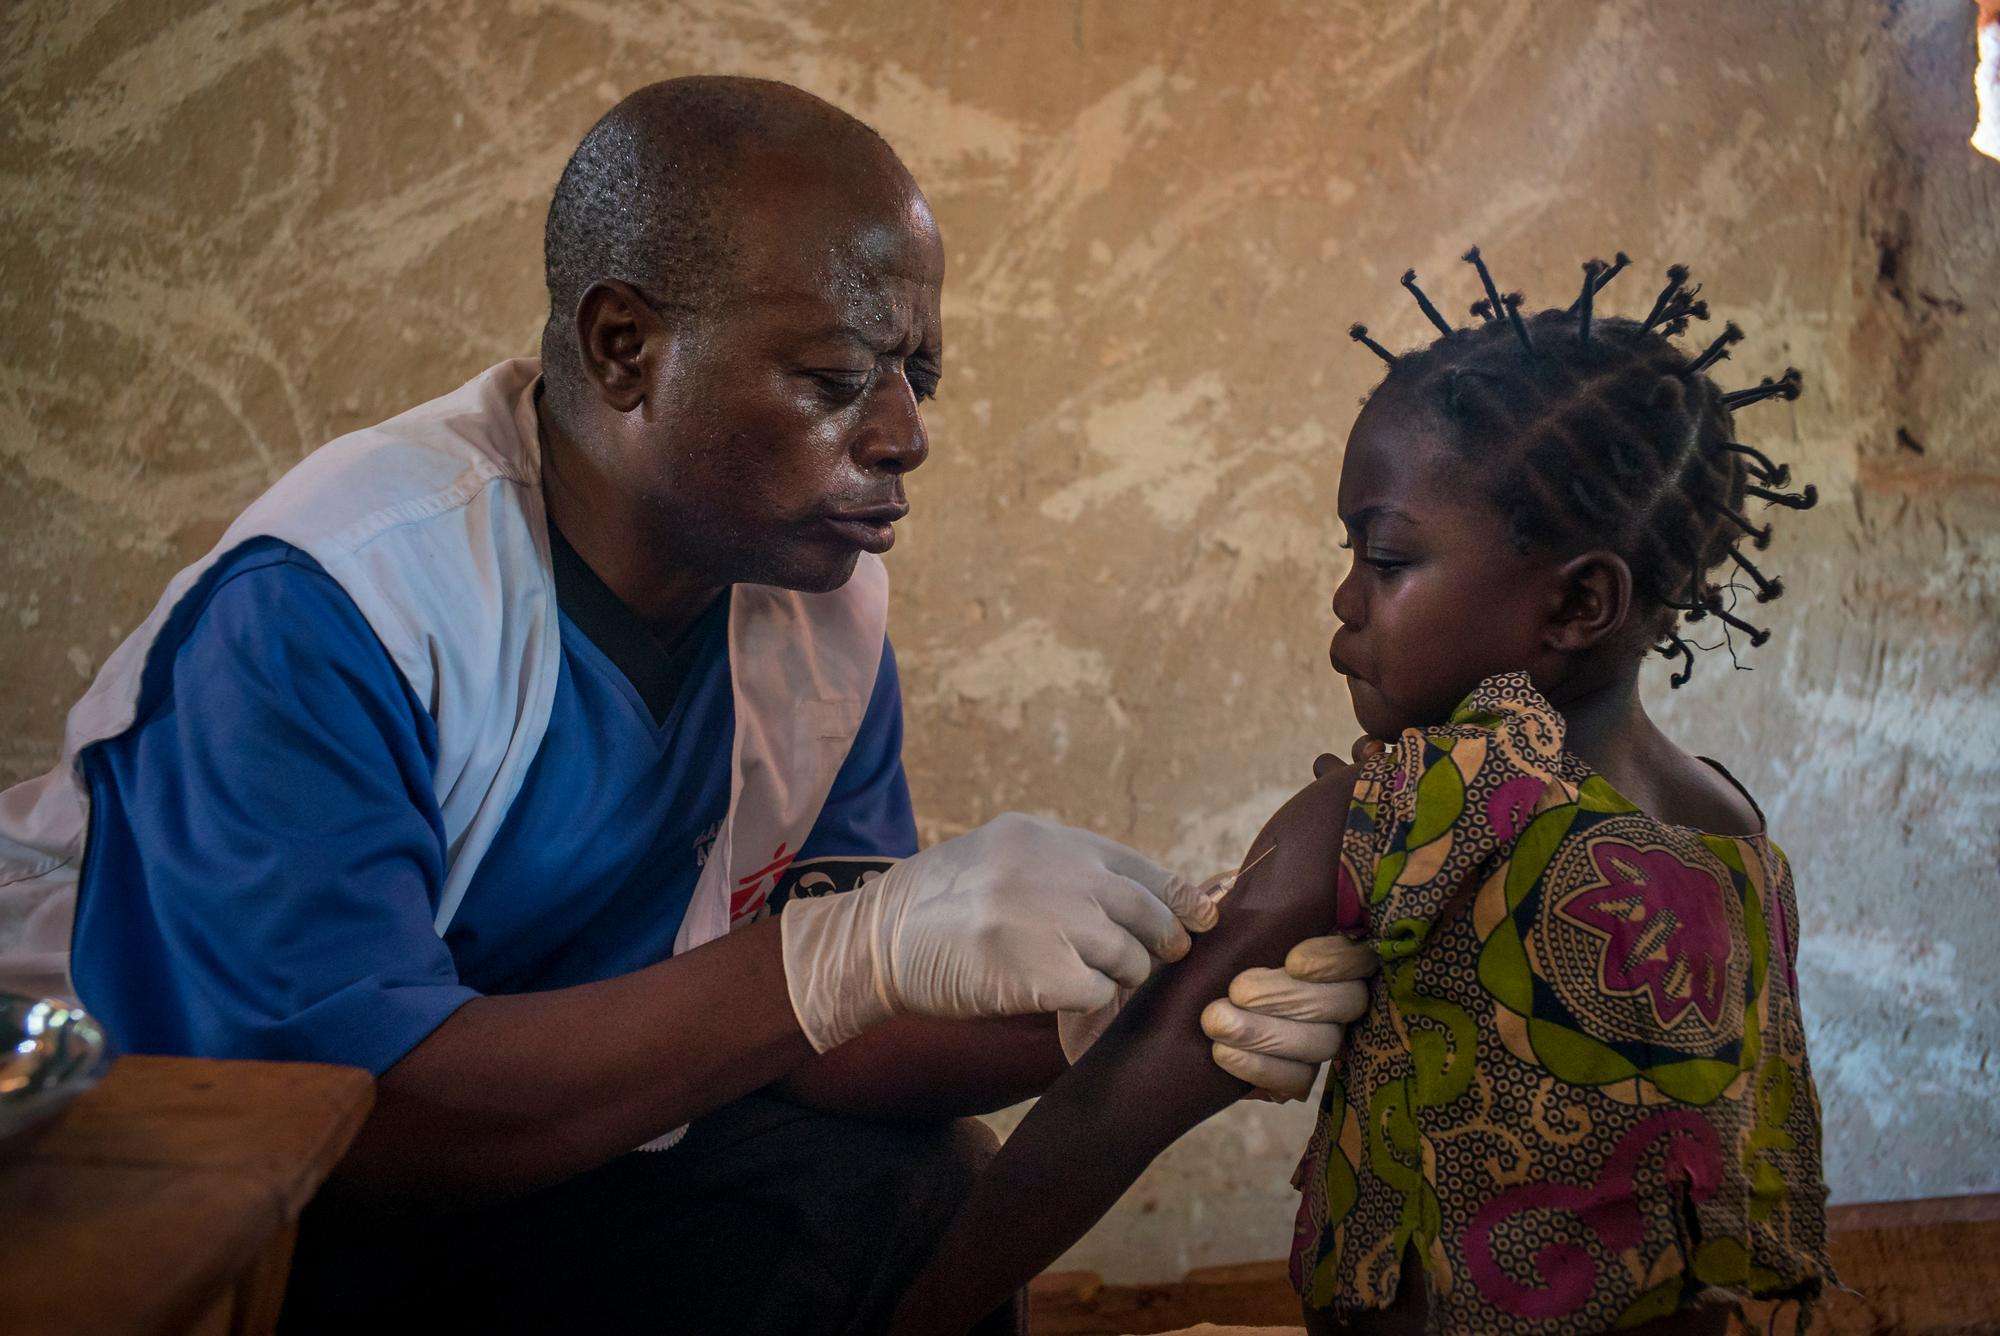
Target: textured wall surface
230,231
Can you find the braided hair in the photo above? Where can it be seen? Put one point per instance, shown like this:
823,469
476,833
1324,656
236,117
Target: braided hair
1599,431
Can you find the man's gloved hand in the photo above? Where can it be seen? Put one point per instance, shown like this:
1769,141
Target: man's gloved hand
1277,1026
1078,1030
1017,917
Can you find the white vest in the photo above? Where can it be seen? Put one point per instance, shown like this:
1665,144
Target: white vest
433,524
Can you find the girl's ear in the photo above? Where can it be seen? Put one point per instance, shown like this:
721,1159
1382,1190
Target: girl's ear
1594,599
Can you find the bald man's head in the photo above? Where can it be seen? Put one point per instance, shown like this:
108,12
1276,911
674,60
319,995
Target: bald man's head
653,194
745,319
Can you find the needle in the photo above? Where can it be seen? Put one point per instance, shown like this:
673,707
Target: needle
1222,883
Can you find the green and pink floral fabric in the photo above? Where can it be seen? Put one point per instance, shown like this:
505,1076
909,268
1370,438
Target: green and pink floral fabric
1581,1095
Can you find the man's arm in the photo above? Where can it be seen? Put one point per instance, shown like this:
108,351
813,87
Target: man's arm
917,1067
1017,918
910,1067
266,857
515,1092
1145,1083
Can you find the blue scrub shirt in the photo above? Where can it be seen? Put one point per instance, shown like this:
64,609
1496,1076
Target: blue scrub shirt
266,854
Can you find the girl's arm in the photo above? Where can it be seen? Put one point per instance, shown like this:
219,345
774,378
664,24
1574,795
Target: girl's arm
1140,1087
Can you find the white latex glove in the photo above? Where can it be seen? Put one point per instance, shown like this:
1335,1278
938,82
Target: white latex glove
1277,1026
1078,1030
1020,916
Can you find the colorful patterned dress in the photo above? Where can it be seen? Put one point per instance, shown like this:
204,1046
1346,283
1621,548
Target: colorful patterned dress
1581,1093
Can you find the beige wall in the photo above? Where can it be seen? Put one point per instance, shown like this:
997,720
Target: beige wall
230,231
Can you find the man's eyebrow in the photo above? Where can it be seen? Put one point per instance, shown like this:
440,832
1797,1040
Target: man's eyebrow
1360,518
884,340
839,329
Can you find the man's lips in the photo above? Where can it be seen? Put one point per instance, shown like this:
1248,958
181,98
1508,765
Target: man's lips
868,528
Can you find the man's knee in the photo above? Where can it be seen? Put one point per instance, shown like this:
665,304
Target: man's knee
852,1205
922,1170
954,1153
926,1171
833,1171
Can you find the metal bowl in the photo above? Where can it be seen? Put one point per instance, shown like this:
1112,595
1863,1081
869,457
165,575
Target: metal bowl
50,1052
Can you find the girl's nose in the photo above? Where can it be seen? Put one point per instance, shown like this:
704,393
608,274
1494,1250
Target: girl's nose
1348,604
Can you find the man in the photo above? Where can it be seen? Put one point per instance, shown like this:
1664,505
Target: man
485,749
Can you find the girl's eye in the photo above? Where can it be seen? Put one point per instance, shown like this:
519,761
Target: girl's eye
923,382
1375,560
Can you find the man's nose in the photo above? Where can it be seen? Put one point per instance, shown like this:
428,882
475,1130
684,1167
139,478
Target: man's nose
894,439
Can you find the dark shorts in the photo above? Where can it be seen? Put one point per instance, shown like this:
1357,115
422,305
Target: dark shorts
767,1218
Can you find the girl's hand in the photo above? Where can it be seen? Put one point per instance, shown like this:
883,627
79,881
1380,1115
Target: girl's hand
1365,749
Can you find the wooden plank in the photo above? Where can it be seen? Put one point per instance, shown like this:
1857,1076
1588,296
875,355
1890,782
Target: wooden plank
125,1248
164,1199
1079,1303
287,1123
1912,1214
1918,1268
260,1292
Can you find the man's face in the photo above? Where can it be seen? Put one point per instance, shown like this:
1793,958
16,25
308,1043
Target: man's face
777,428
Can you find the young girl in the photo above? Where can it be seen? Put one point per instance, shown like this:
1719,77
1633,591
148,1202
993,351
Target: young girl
1580,1100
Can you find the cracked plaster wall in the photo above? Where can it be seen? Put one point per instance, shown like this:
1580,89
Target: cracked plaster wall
234,230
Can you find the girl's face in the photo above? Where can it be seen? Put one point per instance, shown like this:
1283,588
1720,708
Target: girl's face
1439,598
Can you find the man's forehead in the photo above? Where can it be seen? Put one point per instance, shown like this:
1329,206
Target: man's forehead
878,317
870,277
865,206
798,248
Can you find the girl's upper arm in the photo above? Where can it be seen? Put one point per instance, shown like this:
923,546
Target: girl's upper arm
1145,1083
1292,871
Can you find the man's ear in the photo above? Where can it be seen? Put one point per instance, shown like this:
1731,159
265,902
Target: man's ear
1593,602
613,326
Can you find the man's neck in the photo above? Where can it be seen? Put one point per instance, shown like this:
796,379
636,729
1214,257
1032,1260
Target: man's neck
605,527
